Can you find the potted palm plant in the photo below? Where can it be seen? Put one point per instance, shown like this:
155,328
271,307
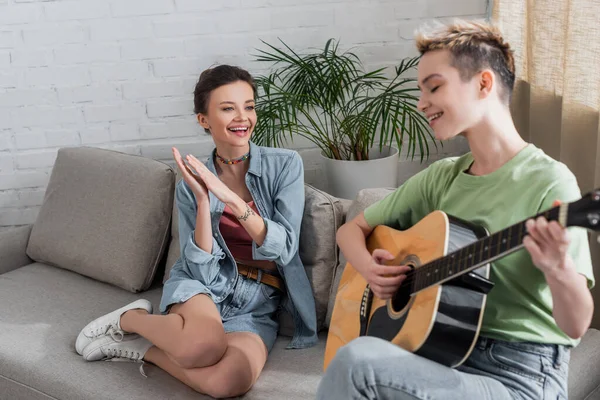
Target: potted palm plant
359,120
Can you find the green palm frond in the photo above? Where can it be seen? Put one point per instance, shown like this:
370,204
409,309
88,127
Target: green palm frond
327,97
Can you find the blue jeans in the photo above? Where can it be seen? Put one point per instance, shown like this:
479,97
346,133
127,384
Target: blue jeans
371,368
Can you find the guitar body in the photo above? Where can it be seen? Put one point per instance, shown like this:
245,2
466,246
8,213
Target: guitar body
440,322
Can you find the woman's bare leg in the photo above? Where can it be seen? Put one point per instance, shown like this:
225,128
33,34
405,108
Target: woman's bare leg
232,376
191,335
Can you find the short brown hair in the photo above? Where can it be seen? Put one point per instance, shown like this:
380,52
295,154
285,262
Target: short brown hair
214,78
473,46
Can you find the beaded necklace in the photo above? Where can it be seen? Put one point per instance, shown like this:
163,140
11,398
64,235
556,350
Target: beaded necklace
233,160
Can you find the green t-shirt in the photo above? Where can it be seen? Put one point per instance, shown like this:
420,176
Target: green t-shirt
519,307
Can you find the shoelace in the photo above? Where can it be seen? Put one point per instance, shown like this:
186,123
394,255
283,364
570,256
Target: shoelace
115,333
121,359
124,353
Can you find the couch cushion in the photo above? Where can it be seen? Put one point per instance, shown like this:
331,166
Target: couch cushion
105,215
364,198
584,371
323,215
13,247
49,306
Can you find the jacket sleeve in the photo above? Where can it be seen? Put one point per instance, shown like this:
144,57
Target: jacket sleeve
283,228
205,264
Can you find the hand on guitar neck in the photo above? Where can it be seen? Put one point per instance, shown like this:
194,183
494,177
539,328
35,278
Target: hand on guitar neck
548,244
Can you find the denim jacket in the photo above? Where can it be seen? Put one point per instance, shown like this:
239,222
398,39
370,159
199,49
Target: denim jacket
275,180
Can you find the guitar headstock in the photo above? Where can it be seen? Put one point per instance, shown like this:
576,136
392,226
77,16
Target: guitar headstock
585,212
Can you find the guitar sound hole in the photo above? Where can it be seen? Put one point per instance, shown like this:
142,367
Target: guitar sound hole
401,299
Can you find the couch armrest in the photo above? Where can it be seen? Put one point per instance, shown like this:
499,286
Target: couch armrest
13,246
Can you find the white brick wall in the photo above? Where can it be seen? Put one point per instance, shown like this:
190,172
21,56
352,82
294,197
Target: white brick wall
120,74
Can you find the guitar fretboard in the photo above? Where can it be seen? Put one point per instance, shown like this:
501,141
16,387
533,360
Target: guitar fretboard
474,255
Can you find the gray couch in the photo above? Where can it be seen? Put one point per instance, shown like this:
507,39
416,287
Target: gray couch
104,238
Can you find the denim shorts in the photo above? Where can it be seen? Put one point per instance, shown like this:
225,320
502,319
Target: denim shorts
251,306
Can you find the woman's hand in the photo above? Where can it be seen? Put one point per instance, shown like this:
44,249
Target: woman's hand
572,303
193,181
212,182
548,245
384,280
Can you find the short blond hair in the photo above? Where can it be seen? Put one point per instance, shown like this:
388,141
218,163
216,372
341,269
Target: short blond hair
473,46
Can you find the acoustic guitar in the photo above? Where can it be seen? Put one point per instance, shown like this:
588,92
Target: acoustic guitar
438,309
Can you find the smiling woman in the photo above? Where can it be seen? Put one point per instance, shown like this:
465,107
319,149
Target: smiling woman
239,223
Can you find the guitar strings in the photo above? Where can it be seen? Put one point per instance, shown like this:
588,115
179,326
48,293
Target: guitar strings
549,214
409,276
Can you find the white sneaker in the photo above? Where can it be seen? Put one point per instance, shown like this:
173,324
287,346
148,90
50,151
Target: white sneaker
130,347
109,324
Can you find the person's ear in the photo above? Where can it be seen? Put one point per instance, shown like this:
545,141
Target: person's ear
487,81
203,121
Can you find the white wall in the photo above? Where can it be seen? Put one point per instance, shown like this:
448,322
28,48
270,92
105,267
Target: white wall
120,73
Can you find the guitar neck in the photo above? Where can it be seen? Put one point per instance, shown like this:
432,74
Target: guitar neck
481,252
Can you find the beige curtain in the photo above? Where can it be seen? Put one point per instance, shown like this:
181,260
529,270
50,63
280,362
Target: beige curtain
556,103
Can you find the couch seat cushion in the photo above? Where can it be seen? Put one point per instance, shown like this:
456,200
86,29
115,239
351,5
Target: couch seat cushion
48,308
98,203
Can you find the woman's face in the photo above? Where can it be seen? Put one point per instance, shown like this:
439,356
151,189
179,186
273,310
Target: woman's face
230,114
451,105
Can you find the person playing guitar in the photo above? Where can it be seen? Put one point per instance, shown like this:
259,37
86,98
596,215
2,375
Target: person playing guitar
540,305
